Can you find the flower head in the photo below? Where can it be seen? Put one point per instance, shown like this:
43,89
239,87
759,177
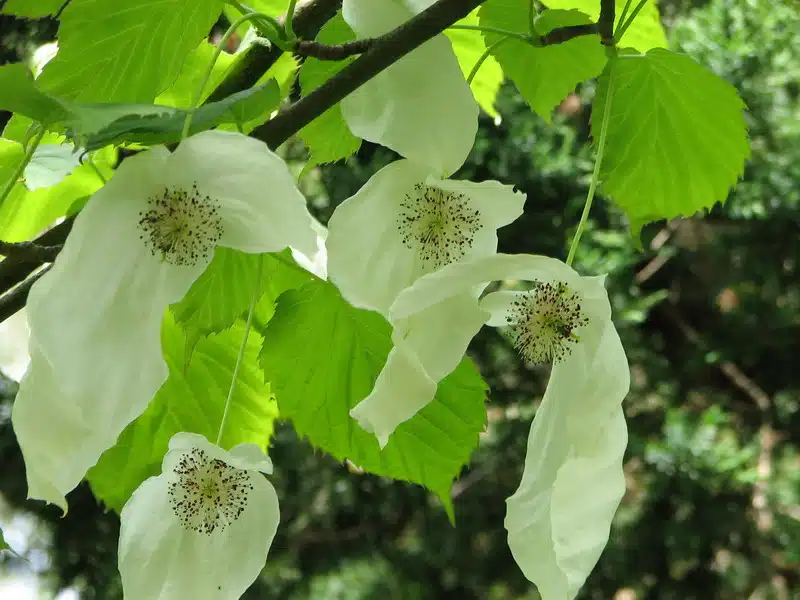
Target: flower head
406,222
136,248
203,528
421,107
558,519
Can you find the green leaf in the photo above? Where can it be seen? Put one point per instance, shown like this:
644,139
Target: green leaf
112,55
96,125
645,33
181,93
32,9
323,356
328,137
25,213
546,75
469,46
223,292
20,94
676,140
192,401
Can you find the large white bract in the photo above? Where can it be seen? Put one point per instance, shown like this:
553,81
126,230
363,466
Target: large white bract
558,520
136,248
406,222
421,106
203,528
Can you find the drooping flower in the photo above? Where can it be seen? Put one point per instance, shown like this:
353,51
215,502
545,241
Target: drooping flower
136,247
203,528
558,520
421,107
406,222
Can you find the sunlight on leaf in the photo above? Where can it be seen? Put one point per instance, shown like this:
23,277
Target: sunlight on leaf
677,139
544,76
323,356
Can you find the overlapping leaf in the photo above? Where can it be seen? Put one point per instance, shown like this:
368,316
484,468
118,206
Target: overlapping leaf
543,75
110,52
676,139
323,356
94,126
224,291
192,400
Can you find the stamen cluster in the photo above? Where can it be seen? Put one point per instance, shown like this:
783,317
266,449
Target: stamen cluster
543,322
183,227
439,225
208,494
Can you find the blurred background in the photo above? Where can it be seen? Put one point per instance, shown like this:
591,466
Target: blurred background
709,313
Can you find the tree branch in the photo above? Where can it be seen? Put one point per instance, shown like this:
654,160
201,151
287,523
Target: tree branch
309,17
337,52
14,300
605,24
383,53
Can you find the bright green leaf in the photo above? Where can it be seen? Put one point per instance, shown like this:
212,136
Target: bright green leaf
224,291
546,75
112,55
182,91
32,9
25,213
323,356
469,46
20,94
645,33
4,544
97,125
192,401
328,137
676,140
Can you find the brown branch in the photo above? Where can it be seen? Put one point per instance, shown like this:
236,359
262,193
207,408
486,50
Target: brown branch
13,301
14,269
567,33
309,17
605,24
30,251
337,52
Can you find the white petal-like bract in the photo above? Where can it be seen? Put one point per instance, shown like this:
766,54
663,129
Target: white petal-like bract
135,249
406,222
558,521
203,528
421,106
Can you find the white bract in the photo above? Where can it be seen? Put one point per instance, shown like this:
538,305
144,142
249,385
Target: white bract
136,248
406,222
558,520
203,528
421,106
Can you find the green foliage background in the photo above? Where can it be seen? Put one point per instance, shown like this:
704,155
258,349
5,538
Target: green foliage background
708,313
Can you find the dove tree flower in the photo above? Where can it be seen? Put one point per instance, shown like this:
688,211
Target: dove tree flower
421,106
203,528
558,520
137,246
406,222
